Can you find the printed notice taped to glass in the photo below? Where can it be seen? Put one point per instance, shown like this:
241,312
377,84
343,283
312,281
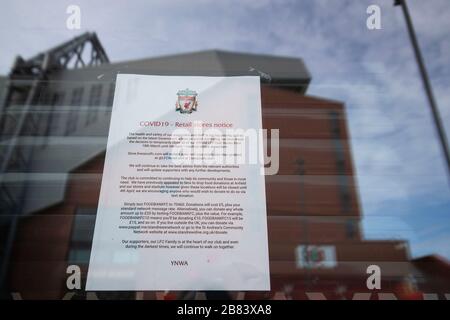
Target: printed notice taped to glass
182,203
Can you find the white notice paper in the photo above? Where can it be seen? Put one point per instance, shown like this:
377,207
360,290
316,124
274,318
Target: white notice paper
182,203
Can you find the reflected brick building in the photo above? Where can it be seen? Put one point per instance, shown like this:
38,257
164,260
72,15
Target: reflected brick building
315,239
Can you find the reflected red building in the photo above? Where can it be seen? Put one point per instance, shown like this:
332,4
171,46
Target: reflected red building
313,209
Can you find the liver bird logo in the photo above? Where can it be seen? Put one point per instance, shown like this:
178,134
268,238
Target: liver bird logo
186,101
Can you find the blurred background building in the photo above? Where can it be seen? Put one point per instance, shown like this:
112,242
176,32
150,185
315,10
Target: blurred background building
54,121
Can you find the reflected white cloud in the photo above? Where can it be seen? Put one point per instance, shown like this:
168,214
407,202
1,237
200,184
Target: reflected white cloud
396,153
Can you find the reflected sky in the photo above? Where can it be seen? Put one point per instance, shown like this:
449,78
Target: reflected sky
400,171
